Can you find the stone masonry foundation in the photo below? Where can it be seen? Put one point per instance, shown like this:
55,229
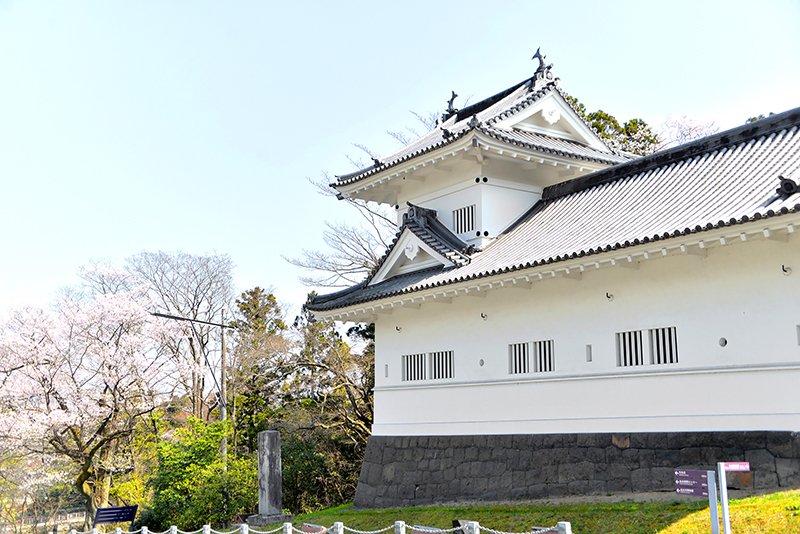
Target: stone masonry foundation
406,471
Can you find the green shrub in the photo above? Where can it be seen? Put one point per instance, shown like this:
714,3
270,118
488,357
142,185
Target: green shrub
192,485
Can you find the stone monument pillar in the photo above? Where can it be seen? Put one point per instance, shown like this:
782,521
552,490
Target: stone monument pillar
270,481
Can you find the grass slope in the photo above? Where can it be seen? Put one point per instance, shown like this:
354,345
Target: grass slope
777,512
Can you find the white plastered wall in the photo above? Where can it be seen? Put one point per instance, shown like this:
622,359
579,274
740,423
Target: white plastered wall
738,292
497,203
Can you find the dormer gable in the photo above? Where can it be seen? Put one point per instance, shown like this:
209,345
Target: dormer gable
422,243
553,116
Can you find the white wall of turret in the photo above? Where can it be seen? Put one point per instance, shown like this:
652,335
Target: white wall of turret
734,315
478,209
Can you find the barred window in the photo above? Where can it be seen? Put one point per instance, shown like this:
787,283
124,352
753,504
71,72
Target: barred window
534,357
441,364
660,346
413,367
428,365
518,358
543,358
464,219
629,348
663,345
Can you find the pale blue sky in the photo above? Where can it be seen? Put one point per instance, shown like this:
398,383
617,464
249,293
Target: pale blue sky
130,126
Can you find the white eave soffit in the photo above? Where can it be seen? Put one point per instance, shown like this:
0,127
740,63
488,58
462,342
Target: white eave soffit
553,116
408,254
408,167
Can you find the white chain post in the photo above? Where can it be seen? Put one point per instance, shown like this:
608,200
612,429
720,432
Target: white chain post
72,531
338,528
206,529
173,529
244,526
145,530
399,527
287,528
94,530
117,530
473,527
564,527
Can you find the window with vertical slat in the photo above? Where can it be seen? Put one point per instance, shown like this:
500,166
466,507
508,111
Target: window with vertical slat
518,358
442,364
428,366
543,357
413,367
661,347
464,219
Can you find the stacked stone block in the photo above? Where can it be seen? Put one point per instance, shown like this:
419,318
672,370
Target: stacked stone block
412,470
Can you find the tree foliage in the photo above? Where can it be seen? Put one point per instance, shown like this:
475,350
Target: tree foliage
758,117
319,470
258,366
634,136
679,130
353,250
95,388
196,287
329,373
192,486
76,379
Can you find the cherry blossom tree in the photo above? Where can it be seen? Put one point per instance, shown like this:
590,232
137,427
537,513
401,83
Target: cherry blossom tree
76,378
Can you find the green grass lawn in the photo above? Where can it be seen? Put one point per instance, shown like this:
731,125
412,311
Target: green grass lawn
777,512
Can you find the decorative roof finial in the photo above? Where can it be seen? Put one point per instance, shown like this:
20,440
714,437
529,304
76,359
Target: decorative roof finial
542,74
473,122
538,55
376,162
450,108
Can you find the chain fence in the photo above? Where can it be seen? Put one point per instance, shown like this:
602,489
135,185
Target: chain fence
398,527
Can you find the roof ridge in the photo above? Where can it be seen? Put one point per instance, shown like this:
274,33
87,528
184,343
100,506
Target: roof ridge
486,103
705,145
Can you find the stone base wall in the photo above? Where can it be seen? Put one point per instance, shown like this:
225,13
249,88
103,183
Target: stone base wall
407,471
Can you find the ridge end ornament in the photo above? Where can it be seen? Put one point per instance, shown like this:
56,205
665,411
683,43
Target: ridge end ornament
450,108
538,55
543,71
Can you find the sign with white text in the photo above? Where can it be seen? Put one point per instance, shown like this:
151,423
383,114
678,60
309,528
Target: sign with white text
735,466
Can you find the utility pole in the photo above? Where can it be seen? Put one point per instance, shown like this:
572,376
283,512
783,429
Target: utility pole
223,402
222,387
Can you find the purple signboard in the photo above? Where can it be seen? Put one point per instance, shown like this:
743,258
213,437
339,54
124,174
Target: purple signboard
697,492
689,482
692,474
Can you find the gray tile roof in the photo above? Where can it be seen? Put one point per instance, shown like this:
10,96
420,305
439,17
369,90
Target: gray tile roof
723,180
423,223
488,113
552,145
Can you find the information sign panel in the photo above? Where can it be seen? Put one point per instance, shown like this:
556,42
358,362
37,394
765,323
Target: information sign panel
695,491
736,466
691,474
690,482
